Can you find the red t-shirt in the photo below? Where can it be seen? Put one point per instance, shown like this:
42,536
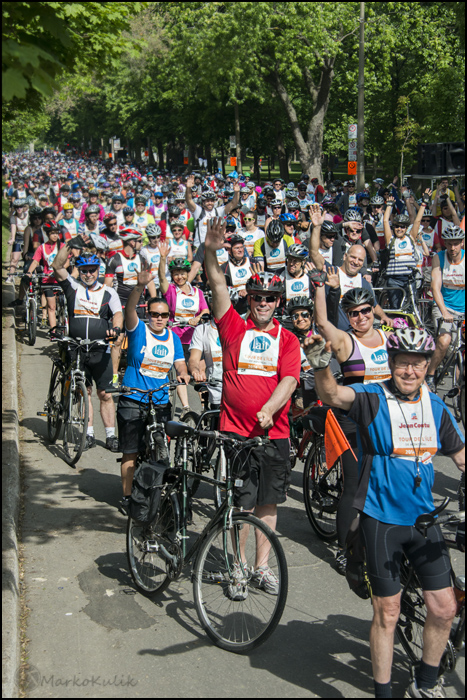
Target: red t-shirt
163,225
47,249
244,395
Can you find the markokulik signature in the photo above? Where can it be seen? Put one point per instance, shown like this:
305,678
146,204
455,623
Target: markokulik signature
34,679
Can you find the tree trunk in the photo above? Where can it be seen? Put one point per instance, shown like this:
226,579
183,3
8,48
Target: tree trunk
223,161
209,158
192,159
151,160
160,153
309,150
237,139
256,166
283,165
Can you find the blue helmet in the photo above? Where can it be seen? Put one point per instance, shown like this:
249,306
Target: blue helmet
287,217
87,260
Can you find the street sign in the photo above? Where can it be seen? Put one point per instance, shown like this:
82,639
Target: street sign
233,142
352,145
351,168
116,144
185,154
352,155
352,131
233,162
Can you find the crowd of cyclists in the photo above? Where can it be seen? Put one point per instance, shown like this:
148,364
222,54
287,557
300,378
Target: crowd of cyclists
271,289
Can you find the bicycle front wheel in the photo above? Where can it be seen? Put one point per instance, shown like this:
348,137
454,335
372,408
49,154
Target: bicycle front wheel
54,404
32,322
150,568
237,606
76,424
322,488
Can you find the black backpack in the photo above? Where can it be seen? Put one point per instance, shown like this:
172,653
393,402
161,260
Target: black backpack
146,491
356,571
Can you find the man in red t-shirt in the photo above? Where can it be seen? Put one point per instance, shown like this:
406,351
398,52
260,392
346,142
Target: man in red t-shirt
261,363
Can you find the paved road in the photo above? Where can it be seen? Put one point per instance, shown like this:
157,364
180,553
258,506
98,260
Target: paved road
92,636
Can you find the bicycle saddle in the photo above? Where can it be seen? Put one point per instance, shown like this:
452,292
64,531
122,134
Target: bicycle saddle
175,429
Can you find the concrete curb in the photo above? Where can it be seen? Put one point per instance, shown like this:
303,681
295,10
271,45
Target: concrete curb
10,505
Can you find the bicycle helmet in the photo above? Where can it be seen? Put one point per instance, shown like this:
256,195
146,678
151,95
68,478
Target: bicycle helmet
51,226
416,340
355,297
265,282
35,211
327,227
109,217
353,215
401,220
93,192
275,231
276,203
328,201
261,203
153,230
234,239
297,250
377,201
179,264
92,209
287,218
231,223
293,205
177,222
453,233
129,234
140,199
299,303
268,191
127,211
118,198
18,203
208,196
30,201
174,211
87,260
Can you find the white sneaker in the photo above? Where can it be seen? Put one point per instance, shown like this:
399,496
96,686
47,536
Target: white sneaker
10,280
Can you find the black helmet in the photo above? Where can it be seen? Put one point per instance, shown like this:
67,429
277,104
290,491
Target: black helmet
174,211
261,203
265,282
128,210
118,198
275,231
327,227
401,220
140,199
299,303
355,297
234,239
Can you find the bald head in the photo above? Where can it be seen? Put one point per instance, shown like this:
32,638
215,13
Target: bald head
354,260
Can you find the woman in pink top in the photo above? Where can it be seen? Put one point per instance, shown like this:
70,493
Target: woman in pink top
186,303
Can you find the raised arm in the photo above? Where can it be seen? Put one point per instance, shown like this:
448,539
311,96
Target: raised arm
144,279
59,263
387,214
317,219
190,202
340,341
214,241
318,354
164,248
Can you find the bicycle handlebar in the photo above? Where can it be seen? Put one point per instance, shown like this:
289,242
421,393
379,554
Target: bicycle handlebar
251,442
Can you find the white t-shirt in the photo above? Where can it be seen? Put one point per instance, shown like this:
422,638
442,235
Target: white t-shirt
205,338
202,216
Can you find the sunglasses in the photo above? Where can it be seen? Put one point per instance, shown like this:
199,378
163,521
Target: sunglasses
426,221
329,235
156,314
248,219
86,271
260,297
300,314
366,311
279,206
288,223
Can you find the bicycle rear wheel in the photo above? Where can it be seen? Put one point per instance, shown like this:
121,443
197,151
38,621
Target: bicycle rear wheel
194,454
54,404
150,570
239,625
172,377
322,488
32,322
76,424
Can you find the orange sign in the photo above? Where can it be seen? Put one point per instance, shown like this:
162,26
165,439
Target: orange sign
185,161
233,162
146,153
110,155
351,167
100,153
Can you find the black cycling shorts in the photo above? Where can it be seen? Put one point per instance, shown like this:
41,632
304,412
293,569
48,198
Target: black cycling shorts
131,420
97,367
265,472
385,546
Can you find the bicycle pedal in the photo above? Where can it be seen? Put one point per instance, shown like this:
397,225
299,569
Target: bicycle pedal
452,393
41,413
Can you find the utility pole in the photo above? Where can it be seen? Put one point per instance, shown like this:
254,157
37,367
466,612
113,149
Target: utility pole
237,139
361,99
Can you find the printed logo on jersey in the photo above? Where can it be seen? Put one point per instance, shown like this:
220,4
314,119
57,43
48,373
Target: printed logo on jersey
220,252
260,344
379,357
241,273
297,286
403,244
275,252
426,237
52,258
218,341
249,237
188,303
155,258
133,267
414,416
160,351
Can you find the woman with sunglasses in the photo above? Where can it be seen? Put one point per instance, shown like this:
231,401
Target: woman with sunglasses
250,231
402,260
152,350
363,357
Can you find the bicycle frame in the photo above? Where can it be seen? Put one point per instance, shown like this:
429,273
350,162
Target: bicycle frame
455,352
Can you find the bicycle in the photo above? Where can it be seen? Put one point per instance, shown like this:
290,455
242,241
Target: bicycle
32,303
322,485
453,364
67,398
202,454
236,613
410,626
409,304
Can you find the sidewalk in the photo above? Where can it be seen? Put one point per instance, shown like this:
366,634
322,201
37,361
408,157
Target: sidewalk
10,502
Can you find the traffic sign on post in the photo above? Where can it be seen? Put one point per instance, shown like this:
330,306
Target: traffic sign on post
352,167
352,134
